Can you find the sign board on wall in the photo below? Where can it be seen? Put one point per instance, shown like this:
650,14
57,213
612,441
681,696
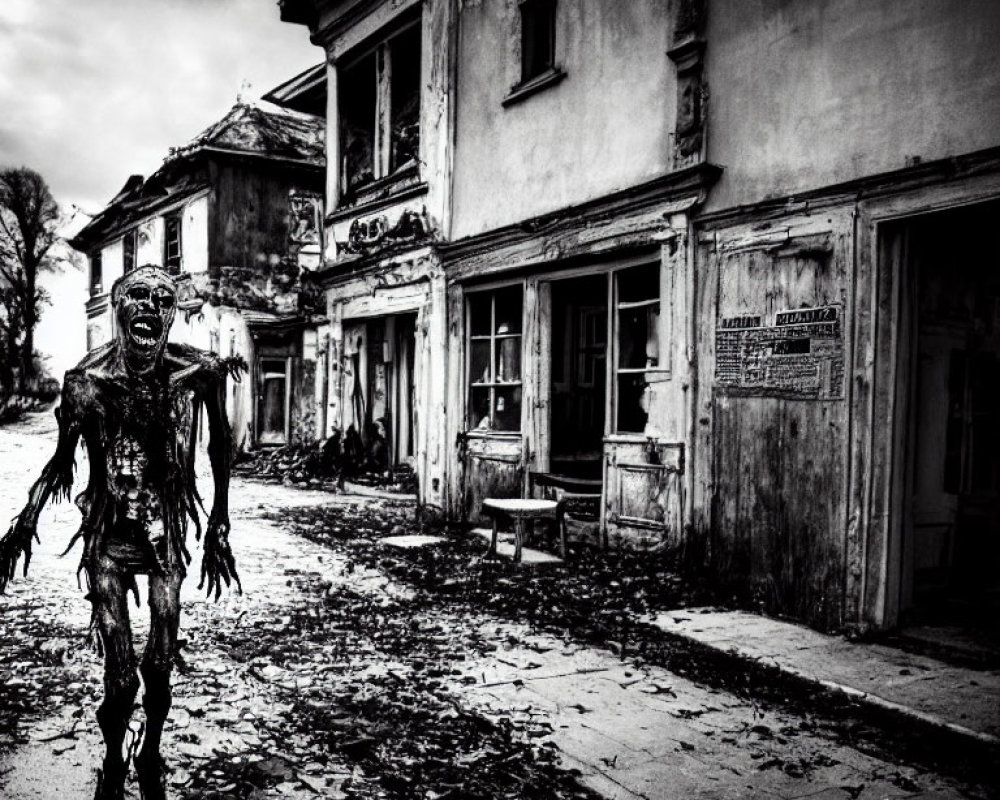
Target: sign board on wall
800,356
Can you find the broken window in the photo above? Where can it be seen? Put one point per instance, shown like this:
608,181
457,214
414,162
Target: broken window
380,110
637,366
128,251
494,332
96,273
538,37
172,242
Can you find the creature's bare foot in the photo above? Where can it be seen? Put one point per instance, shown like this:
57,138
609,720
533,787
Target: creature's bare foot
151,771
111,781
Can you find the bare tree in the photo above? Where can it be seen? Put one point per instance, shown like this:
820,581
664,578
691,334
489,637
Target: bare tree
28,221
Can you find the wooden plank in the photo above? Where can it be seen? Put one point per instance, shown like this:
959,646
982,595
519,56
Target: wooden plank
779,464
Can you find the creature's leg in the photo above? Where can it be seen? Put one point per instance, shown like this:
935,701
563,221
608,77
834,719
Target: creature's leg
157,662
109,586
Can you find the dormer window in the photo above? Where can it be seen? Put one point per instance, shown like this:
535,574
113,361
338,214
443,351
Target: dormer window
380,110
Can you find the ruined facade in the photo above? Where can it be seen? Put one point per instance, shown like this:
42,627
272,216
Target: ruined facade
237,213
678,253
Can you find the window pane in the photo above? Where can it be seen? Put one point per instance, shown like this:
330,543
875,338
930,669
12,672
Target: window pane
638,339
479,362
479,408
357,114
508,361
633,403
508,310
405,136
507,411
480,313
639,283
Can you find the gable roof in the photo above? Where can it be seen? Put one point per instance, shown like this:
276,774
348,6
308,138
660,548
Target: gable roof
262,130
247,130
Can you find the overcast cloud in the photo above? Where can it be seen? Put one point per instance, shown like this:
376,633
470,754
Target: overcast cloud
92,91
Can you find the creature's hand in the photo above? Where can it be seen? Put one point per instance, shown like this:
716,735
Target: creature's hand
217,563
16,541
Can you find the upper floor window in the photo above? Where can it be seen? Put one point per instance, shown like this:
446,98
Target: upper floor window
172,242
380,110
129,250
538,38
96,273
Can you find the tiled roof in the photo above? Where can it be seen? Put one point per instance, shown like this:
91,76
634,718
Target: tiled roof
255,130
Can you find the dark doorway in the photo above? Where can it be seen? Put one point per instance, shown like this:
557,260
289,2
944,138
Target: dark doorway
273,395
951,516
579,375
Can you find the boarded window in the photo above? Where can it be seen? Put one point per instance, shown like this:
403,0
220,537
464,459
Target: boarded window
637,317
538,37
172,242
494,333
380,109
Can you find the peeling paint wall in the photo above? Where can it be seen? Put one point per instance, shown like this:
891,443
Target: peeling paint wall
606,126
809,94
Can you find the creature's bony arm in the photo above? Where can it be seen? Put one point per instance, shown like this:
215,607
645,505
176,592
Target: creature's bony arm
57,476
217,563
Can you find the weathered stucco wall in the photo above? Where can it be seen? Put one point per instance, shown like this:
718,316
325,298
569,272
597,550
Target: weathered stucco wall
804,95
598,130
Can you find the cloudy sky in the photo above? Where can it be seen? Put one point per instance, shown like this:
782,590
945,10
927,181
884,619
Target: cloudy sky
92,91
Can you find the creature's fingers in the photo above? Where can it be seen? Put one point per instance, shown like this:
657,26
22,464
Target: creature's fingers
231,566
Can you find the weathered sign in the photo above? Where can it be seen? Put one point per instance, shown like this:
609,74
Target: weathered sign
800,356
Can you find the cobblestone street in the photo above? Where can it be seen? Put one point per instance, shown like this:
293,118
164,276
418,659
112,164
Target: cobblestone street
301,687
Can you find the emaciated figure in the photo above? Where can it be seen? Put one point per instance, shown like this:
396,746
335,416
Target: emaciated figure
136,403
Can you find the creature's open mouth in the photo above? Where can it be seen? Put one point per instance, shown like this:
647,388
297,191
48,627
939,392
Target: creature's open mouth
145,331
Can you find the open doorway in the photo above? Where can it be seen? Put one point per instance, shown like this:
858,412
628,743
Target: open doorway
579,375
380,389
950,270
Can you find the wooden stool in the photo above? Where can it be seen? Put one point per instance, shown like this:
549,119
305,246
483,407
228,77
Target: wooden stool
520,510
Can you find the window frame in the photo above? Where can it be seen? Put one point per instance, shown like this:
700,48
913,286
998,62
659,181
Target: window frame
96,273
168,218
382,137
492,338
130,250
615,370
531,12
538,79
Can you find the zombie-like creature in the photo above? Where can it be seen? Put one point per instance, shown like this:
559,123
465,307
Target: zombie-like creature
136,403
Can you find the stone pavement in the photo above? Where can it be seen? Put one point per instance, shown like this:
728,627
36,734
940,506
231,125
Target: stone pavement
643,733
965,701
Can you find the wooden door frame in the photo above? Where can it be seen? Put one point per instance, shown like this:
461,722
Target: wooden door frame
880,408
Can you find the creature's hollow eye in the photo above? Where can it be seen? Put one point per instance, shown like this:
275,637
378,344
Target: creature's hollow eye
138,293
163,298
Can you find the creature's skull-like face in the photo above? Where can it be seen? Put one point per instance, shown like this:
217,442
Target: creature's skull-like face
144,301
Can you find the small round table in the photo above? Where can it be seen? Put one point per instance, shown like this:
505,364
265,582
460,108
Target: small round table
519,510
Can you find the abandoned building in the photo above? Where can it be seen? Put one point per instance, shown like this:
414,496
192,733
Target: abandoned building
759,322
237,215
